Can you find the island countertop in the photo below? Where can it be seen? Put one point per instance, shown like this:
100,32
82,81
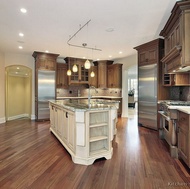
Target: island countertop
93,97
83,105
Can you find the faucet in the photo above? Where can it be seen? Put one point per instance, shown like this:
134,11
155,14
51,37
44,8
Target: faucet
89,95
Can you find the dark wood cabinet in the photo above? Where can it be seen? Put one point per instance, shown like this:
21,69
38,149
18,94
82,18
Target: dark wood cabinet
184,137
176,37
61,76
82,75
114,76
93,81
45,61
102,72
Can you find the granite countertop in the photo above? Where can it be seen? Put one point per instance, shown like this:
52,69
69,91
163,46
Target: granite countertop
82,104
94,97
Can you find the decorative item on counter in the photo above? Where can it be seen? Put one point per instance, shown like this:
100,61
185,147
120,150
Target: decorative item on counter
131,92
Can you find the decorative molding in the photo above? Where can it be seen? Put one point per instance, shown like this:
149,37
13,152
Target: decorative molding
2,120
18,117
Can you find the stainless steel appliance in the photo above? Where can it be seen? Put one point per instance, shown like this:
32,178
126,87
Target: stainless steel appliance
147,96
168,127
45,92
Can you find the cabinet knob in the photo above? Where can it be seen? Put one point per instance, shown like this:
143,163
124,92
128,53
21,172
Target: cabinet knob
66,115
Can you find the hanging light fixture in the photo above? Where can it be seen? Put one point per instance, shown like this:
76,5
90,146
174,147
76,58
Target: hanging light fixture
87,64
69,70
75,68
92,74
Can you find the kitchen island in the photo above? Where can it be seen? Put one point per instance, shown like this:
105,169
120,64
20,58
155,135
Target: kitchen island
86,130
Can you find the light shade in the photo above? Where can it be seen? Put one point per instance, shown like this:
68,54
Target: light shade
69,72
87,64
92,74
75,68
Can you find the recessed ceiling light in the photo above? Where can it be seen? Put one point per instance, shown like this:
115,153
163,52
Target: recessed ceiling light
110,29
110,56
47,51
120,52
17,68
23,10
21,34
20,47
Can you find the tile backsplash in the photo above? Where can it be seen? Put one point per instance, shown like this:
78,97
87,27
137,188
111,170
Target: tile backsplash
180,93
76,91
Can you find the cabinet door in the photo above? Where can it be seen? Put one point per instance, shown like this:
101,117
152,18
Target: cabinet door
65,126
71,129
183,137
148,56
102,75
93,81
62,78
46,63
52,117
115,76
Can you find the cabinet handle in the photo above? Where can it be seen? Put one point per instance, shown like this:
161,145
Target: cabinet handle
66,115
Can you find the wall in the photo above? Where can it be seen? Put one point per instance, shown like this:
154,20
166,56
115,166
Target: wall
9,59
2,88
18,97
128,63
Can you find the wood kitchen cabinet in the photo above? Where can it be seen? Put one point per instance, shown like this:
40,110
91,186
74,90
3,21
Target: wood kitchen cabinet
45,61
176,37
184,137
114,76
82,75
93,81
61,76
179,79
102,72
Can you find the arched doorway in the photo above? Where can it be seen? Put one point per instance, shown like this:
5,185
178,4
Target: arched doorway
18,92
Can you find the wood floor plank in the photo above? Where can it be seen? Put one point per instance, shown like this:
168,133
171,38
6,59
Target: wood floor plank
31,157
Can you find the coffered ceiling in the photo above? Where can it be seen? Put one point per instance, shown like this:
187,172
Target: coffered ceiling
115,27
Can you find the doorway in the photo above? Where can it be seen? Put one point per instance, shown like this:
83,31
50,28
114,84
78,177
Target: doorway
18,92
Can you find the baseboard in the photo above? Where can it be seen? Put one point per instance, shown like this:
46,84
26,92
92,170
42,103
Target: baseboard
2,120
18,117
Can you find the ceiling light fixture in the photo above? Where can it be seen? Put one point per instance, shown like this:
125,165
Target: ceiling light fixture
23,10
21,34
20,47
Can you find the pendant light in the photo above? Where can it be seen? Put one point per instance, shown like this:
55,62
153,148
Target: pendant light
92,74
75,68
69,70
87,64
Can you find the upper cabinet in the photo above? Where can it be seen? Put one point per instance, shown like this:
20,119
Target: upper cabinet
114,76
177,38
61,77
45,61
150,53
93,81
82,75
102,72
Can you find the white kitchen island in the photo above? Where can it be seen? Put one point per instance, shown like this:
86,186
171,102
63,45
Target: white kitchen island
85,130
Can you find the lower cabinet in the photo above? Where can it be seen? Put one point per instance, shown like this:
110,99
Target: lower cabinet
87,135
184,137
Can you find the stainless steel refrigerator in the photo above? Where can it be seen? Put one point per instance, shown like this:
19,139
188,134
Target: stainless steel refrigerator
147,96
45,92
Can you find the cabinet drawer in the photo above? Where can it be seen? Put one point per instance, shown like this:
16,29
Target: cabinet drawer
183,120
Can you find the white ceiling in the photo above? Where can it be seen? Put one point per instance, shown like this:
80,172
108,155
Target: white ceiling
48,25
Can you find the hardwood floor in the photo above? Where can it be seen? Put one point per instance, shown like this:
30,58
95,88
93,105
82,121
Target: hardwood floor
31,157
